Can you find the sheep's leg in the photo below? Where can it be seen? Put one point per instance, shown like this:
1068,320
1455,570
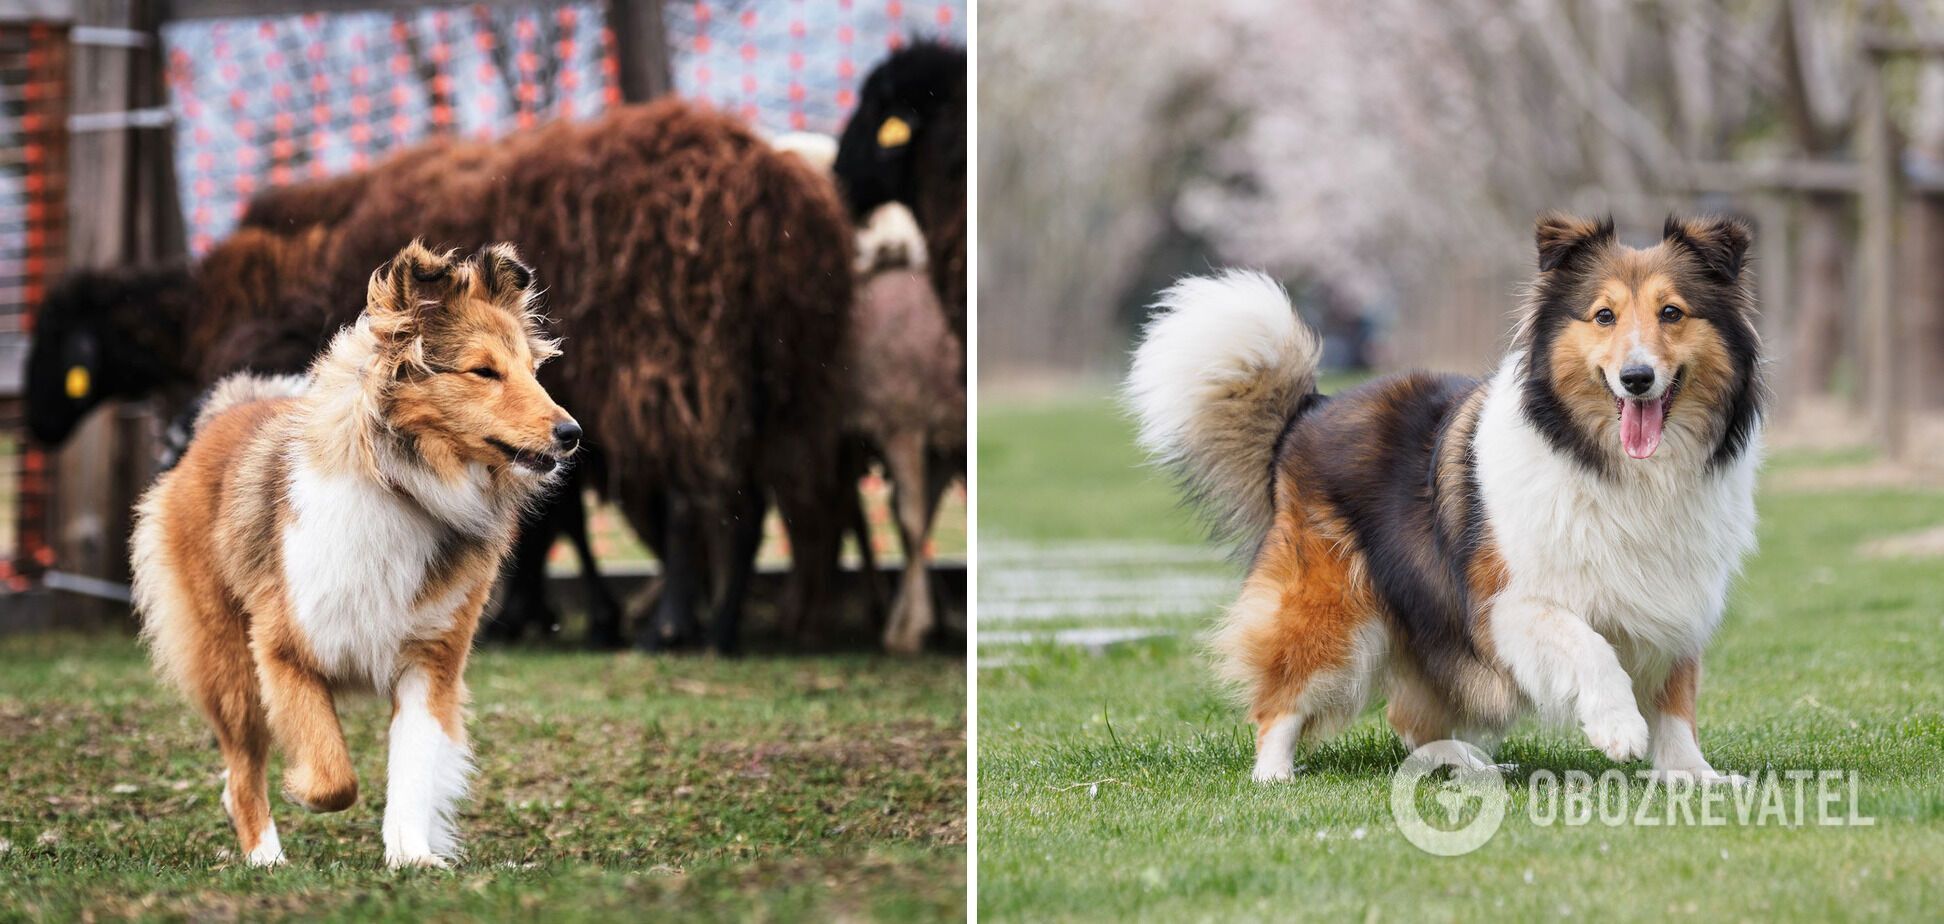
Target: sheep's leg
643,510
809,488
911,615
603,612
674,618
941,469
860,524
857,464
526,588
745,537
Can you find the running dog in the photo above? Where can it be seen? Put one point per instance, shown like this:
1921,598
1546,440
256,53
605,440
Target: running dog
1560,536
342,530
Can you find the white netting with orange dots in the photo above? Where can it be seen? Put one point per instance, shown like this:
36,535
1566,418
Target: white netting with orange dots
273,100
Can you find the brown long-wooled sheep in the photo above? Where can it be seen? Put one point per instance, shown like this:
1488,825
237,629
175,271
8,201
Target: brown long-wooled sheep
702,277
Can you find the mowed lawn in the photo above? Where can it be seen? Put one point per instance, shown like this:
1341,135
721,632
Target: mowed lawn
1115,784
611,787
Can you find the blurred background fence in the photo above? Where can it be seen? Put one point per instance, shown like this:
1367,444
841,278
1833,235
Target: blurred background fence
137,130
1386,159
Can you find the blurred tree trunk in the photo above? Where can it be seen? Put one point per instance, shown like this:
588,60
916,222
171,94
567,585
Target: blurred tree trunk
1822,290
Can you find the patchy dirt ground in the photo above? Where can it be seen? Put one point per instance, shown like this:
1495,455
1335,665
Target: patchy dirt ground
761,788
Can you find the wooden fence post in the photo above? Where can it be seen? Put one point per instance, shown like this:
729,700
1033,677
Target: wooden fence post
122,209
98,192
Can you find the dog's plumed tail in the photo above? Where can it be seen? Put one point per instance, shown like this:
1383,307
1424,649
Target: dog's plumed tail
245,387
1222,366
236,389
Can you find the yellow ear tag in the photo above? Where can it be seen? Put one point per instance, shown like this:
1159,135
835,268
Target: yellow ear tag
894,133
77,382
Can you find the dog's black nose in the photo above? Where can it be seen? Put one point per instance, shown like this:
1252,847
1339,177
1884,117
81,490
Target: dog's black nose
1636,379
567,434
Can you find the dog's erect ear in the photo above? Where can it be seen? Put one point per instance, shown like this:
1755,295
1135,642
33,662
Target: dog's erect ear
503,271
416,267
1562,237
409,284
402,292
1720,243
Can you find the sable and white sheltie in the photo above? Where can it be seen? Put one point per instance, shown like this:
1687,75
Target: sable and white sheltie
1559,536
342,530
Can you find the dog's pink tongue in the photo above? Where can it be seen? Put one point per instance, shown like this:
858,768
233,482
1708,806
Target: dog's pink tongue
1640,426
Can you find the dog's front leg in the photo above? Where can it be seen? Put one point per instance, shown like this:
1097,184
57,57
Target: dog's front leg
430,760
303,718
1560,663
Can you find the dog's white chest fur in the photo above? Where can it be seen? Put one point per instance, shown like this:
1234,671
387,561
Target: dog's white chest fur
355,559
1648,554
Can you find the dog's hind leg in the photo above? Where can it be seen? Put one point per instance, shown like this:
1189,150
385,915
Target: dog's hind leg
1415,711
245,742
1422,715
202,645
226,689
1302,648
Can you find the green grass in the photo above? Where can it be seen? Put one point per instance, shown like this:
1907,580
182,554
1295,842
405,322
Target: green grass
609,786
1827,660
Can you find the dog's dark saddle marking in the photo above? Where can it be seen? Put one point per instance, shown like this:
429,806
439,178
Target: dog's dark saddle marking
1394,459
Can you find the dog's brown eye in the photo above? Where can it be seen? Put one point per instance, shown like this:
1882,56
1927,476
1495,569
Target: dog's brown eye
1670,314
486,372
1603,317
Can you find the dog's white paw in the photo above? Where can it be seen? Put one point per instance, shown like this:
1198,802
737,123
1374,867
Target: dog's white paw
415,860
269,849
1617,730
1273,773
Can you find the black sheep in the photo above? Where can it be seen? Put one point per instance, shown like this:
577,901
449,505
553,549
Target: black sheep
906,143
